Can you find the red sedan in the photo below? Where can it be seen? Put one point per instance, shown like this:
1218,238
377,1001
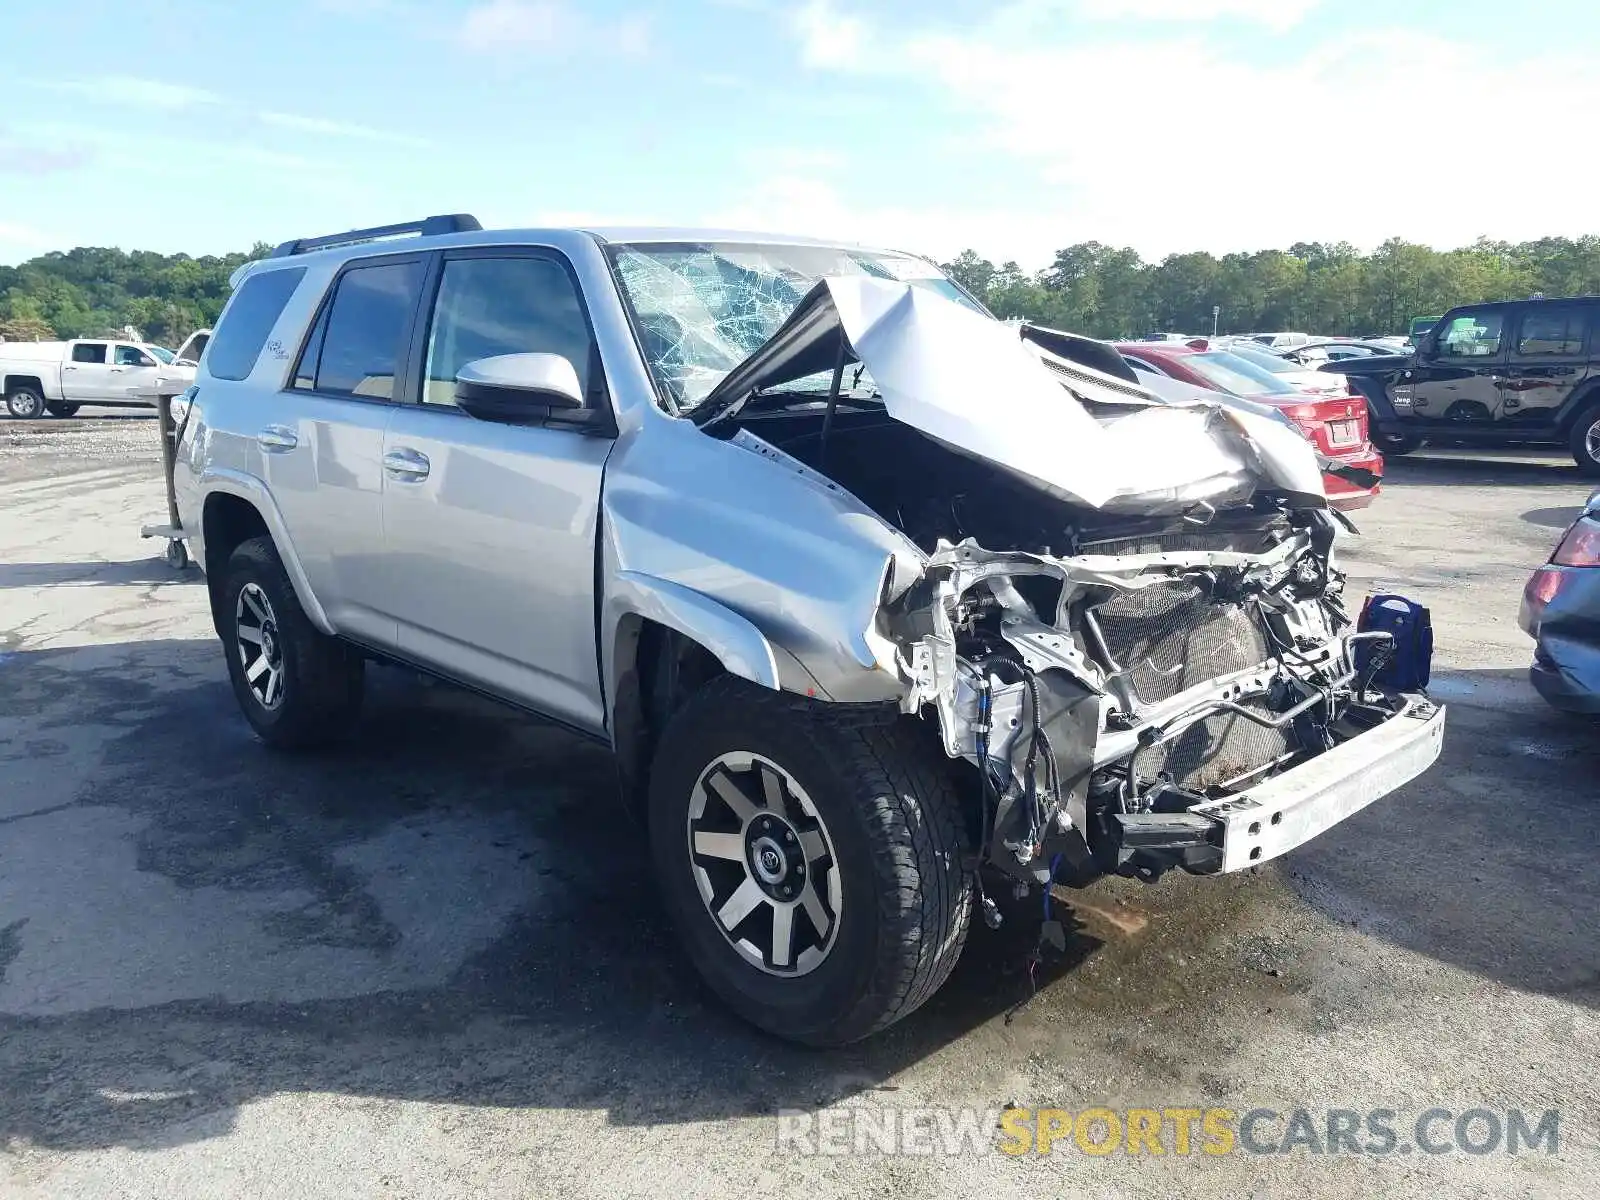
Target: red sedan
1336,425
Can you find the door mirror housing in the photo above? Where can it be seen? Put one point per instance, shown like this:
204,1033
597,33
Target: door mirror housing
519,389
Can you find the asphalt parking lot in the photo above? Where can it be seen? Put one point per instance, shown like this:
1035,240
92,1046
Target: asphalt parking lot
430,965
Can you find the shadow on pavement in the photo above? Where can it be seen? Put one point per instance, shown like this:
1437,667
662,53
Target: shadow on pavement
453,908
137,571
1553,518
1436,469
1493,869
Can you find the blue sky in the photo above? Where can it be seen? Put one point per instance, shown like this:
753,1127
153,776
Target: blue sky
1013,127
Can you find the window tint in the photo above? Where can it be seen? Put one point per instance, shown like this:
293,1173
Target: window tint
132,356
357,345
490,306
253,311
1551,331
1471,335
86,353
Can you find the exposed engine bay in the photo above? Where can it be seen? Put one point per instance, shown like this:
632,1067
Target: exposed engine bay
1127,616
1110,676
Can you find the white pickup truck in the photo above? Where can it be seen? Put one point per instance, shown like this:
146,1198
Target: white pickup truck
56,377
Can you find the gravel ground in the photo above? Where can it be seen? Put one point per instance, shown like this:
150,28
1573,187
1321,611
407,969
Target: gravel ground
429,965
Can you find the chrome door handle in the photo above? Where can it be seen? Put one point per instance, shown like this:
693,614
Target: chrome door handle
277,438
406,464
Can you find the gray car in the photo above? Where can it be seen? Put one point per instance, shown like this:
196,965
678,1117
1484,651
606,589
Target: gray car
1561,612
880,603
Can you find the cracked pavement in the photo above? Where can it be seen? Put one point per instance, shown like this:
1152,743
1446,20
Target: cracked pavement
430,964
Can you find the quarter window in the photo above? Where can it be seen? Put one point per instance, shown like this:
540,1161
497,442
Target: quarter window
85,352
490,306
1551,332
355,350
1471,335
252,313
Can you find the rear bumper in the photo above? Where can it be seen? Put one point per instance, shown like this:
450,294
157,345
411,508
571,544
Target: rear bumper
1289,810
1343,494
1561,611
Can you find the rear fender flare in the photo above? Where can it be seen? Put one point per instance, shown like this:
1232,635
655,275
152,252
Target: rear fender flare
1584,396
249,488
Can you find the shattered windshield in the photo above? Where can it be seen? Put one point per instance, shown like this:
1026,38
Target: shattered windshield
702,309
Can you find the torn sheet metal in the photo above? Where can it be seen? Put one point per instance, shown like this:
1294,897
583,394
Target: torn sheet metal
970,382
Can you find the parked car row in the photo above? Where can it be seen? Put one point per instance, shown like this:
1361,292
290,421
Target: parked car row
1333,419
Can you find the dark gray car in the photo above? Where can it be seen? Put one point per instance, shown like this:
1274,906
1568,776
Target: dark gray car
1561,610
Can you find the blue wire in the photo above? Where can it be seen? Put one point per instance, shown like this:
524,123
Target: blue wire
1054,864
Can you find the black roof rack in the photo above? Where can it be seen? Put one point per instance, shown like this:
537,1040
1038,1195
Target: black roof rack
428,227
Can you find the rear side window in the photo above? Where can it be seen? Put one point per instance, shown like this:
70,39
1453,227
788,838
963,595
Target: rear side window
255,310
355,349
1551,332
88,354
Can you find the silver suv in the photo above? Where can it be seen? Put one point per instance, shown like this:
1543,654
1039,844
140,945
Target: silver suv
878,601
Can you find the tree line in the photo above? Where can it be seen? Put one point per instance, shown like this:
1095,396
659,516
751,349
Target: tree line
1088,288
1318,287
94,292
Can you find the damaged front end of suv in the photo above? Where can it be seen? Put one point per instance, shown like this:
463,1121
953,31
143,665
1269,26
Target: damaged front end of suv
1127,617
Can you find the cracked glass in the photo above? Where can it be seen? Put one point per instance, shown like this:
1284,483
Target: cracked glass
702,309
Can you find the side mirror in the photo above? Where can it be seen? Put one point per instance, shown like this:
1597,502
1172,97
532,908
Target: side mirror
518,389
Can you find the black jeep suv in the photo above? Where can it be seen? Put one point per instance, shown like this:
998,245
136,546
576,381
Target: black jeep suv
1522,372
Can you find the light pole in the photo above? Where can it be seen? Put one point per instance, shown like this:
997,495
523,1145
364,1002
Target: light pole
1216,311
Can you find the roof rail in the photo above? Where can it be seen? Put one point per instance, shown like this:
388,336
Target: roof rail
428,227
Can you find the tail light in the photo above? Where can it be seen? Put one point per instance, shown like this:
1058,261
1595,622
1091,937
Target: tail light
1581,546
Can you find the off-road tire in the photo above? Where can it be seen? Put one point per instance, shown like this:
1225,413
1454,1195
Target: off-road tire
1585,447
895,823
25,403
1393,445
323,677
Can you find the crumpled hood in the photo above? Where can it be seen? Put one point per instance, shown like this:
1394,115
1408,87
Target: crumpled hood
970,382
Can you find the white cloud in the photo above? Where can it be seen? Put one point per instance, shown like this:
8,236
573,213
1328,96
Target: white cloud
509,24
128,91
1276,14
497,26
801,203
633,36
828,37
338,129
1239,138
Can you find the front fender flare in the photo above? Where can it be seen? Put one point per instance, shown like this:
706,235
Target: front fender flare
734,640
249,488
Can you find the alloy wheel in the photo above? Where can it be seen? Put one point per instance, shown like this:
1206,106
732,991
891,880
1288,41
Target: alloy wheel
1591,441
764,864
260,646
